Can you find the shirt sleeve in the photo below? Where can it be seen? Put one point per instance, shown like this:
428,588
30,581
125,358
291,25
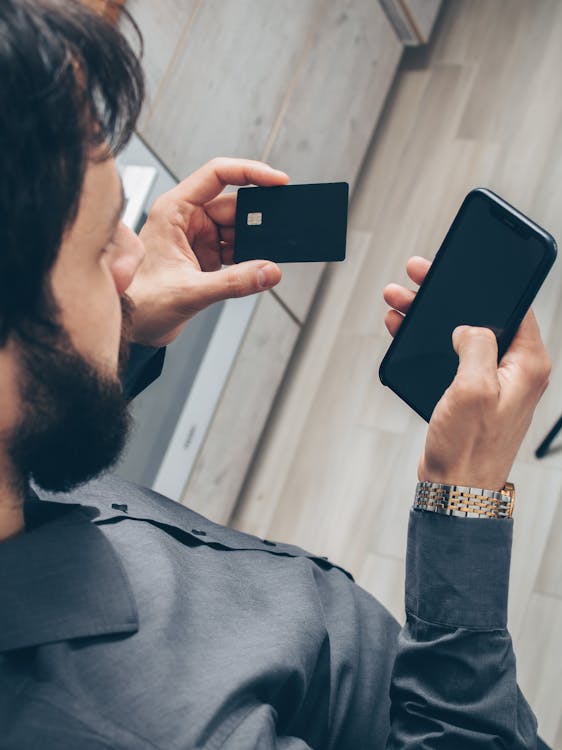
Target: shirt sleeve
144,367
454,679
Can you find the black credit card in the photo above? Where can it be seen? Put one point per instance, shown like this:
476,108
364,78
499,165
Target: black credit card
292,223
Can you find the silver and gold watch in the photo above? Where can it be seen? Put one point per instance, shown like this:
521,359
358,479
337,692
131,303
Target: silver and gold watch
467,502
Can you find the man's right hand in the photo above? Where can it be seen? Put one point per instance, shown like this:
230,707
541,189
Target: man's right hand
479,424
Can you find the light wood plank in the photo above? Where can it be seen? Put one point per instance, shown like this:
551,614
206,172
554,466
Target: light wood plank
239,419
227,83
324,137
298,286
164,26
278,445
407,95
383,577
539,666
549,408
333,511
549,579
352,41
482,26
536,487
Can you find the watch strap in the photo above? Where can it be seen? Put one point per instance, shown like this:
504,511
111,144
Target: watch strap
466,502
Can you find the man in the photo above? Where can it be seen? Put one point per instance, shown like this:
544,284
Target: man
128,621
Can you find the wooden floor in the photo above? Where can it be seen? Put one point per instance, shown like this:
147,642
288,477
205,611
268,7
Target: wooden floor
336,470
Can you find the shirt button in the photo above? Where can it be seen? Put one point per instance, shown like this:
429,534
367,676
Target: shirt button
270,544
118,506
198,532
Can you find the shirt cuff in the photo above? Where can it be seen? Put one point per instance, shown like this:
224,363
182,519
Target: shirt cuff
457,570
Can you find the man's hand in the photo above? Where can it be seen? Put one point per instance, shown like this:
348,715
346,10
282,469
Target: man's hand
188,236
478,425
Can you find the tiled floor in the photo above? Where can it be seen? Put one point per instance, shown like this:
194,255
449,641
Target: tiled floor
336,469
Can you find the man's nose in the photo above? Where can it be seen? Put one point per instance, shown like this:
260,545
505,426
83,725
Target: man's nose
129,255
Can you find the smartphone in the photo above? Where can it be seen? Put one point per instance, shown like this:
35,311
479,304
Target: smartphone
486,273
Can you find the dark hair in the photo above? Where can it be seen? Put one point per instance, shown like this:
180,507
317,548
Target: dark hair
69,82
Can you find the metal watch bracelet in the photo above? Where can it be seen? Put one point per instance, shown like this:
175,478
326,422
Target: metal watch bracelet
466,502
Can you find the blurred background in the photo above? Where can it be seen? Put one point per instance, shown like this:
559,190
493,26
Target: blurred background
269,415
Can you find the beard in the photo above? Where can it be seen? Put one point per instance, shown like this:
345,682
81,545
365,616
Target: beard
75,420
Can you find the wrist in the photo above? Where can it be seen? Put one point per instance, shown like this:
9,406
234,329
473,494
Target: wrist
154,320
488,479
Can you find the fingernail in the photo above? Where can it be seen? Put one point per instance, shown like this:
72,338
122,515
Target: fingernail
263,276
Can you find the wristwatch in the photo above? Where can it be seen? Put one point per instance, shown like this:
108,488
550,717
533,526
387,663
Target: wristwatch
467,502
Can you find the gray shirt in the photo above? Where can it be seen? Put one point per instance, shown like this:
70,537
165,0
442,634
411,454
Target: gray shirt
129,621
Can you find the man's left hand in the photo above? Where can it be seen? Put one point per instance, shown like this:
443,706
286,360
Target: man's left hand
188,236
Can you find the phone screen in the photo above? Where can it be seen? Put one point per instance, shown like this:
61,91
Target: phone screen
482,275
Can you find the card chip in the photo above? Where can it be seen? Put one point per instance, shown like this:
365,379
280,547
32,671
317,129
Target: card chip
254,219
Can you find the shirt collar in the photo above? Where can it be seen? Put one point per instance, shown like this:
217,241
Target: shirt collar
61,579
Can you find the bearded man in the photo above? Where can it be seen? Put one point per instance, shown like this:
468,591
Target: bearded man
126,620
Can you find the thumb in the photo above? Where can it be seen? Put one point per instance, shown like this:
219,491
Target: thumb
237,280
478,352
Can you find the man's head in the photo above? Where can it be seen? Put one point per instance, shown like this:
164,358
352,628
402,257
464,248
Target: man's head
70,94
